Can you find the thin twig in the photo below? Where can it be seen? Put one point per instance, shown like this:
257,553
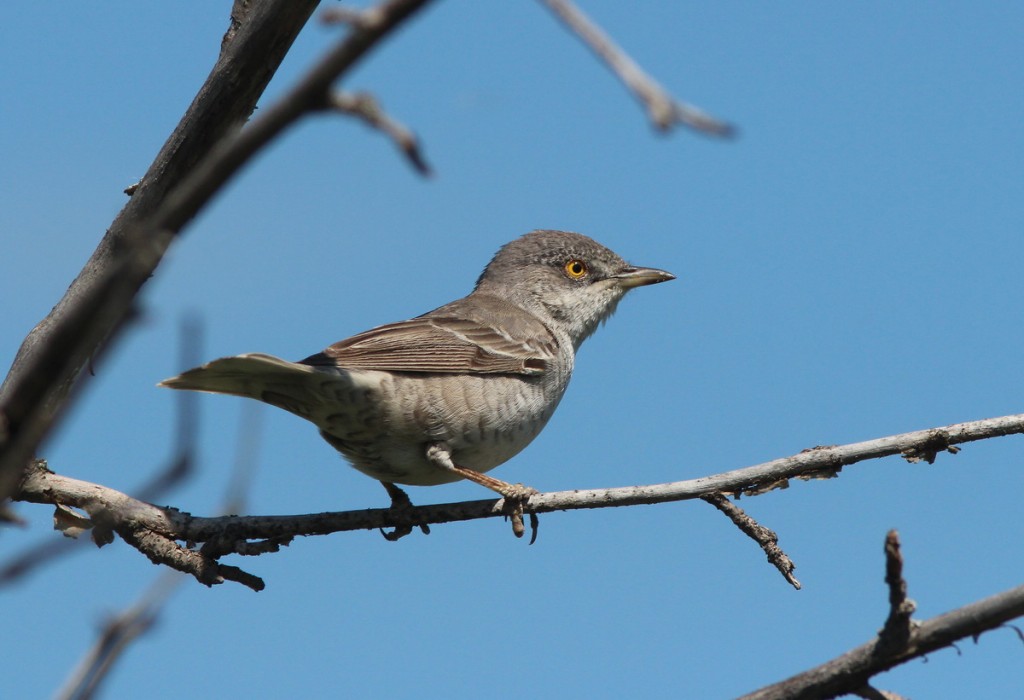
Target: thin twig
897,629
869,692
663,111
178,467
115,637
766,538
127,626
147,232
97,303
365,107
851,672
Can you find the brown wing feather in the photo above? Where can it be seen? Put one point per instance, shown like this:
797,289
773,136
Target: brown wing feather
446,341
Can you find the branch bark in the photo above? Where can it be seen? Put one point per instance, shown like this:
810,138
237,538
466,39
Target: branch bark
663,111
163,528
203,153
765,538
97,303
898,642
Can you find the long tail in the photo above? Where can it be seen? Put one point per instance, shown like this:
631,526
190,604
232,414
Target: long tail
288,385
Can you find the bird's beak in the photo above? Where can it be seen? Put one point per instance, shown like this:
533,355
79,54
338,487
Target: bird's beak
641,276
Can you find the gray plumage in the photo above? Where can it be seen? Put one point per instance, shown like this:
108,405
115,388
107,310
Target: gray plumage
459,390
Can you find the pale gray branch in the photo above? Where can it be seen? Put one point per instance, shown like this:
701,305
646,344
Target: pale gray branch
663,111
365,107
156,531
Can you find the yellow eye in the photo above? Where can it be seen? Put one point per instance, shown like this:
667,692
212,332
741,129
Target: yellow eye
575,269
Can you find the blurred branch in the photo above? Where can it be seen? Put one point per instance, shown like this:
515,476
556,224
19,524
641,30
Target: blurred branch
365,107
250,429
103,295
156,531
851,672
115,636
101,298
178,467
186,432
125,627
37,555
663,111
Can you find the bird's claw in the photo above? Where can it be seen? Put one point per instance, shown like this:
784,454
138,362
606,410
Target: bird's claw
516,496
400,505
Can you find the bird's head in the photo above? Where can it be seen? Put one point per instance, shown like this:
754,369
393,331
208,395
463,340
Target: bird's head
567,277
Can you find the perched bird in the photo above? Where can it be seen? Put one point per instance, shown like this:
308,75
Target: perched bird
457,391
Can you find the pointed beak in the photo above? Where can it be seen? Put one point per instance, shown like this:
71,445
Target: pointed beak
642,276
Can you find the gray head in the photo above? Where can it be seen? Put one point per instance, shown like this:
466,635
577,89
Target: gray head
565,276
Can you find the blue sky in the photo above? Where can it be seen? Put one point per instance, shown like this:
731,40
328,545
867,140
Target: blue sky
849,268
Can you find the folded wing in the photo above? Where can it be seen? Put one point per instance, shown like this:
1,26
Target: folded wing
450,340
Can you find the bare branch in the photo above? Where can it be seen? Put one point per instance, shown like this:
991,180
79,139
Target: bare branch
250,429
105,290
897,628
178,468
127,626
871,693
851,672
97,303
766,538
156,531
365,107
118,632
663,111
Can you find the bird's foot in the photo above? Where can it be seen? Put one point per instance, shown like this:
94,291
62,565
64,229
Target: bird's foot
400,505
515,492
515,495
515,498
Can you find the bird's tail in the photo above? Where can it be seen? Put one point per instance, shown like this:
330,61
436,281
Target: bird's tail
266,378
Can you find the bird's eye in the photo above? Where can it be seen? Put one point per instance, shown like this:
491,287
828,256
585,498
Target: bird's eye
575,269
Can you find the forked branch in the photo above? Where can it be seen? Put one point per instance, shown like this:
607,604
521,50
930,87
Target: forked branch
157,532
899,641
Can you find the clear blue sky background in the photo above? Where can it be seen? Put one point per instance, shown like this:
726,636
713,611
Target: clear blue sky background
849,268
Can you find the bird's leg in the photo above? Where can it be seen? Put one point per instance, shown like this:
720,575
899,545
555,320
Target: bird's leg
399,502
440,456
515,495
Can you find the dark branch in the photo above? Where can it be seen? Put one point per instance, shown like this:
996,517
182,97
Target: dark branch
137,241
897,630
851,672
97,303
766,538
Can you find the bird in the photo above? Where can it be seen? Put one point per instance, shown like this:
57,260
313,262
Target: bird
459,390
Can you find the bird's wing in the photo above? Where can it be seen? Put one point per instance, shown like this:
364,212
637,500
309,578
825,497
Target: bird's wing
454,340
